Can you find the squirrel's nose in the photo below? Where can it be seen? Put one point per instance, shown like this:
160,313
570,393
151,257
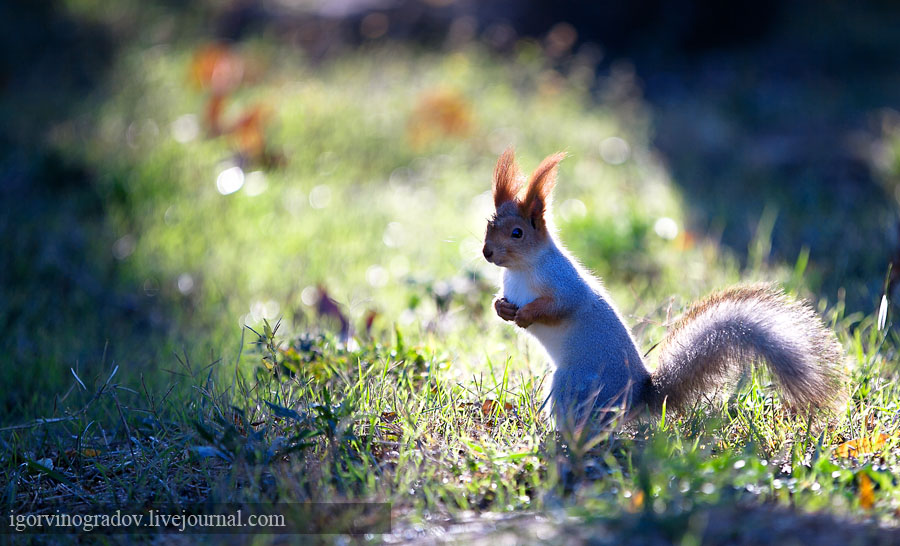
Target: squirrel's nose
487,253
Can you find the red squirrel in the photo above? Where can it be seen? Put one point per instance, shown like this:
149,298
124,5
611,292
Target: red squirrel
599,371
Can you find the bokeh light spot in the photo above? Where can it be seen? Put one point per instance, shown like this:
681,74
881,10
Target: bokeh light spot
123,247
320,197
572,209
377,276
255,184
186,128
230,180
185,283
666,228
309,296
615,150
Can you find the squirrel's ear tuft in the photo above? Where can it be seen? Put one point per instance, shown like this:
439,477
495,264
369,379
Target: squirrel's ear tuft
537,198
506,178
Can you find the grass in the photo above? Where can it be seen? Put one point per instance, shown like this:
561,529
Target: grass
199,354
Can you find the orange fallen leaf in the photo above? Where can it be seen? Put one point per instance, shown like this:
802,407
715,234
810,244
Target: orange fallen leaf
218,68
637,501
854,448
248,132
489,406
685,240
866,492
439,113
86,452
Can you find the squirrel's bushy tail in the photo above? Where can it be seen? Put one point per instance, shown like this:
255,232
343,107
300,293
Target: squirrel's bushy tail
741,326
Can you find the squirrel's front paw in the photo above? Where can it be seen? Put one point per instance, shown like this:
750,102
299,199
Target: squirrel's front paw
505,309
523,318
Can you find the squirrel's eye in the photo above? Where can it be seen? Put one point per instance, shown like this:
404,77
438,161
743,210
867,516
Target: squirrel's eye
516,233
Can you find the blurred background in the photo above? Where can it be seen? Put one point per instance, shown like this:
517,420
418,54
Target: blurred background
173,171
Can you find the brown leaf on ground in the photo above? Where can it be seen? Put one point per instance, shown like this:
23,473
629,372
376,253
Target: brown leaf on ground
328,307
86,452
249,132
439,113
866,492
637,501
860,446
371,315
488,407
217,68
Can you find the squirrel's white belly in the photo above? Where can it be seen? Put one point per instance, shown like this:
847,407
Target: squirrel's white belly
517,289
552,338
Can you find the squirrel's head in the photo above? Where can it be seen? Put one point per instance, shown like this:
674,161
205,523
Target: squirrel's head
518,229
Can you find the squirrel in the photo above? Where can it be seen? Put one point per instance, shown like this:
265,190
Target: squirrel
599,371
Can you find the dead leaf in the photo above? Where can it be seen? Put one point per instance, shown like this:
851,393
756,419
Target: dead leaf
439,113
866,492
859,446
86,452
685,240
217,68
328,307
489,406
637,500
249,133
371,314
